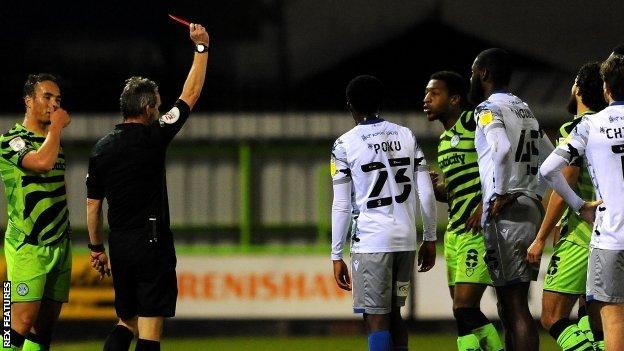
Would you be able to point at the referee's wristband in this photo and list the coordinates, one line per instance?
(96, 247)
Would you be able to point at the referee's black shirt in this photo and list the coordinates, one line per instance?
(127, 167)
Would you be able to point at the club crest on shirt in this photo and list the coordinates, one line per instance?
(17, 144)
(22, 289)
(455, 140)
(170, 117)
(485, 117)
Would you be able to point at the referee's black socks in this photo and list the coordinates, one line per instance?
(119, 339)
(147, 345)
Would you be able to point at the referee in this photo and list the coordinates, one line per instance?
(127, 167)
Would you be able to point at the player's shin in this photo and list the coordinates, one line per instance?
(119, 339)
(583, 323)
(599, 344)
(147, 345)
(17, 340)
(569, 336)
(468, 342)
(488, 335)
(380, 341)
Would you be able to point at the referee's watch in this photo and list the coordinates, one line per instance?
(96, 247)
(201, 48)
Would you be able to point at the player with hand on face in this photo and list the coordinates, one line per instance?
(37, 244)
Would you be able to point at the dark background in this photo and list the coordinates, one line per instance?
(94, 45)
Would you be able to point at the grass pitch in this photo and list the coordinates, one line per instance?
(418, 342)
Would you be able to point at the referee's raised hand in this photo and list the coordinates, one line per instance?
(198, 34)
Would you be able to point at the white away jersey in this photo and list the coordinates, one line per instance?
(379, 158)
(505, 110)
(601, 140)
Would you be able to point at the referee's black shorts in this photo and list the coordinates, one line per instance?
(144, 275)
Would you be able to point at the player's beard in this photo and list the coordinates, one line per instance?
(476, 95)
(572, 108)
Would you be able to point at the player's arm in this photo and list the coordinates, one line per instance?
(439, 188)
(44, 159)
(424, 187)
(341, 213)
(493, 127)
(554, 211)
(568, 152)
(544, 147)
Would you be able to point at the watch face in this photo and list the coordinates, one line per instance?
(200, 48)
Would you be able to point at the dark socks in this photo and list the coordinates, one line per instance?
(147, 345)
(119, 339)
(469, 319)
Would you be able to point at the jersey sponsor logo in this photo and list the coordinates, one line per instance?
(170, 117)
(372, 135)
(616, 118)
(485, 117)
(455, 140)
(22, 289)
(386, 146)
(451, 160)
(17, 144)
(402, 289)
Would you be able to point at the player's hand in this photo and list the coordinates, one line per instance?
(439, 190)
(341, 274)
(534, 253)
(501, 202)
(426, 256)
(198, 34)
(60, 118)
(473, 223)
(99, 262)
(588, 211)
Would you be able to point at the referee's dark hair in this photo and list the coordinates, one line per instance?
(138, 93)
(365, 94)
(33, 79)
(589, 83)
(612, 73)
(455, 84)
(619, 50)
(498, 63)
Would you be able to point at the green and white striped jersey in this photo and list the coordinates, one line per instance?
(457, 158)
(36, 202)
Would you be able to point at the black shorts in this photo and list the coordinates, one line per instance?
(144, 276)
